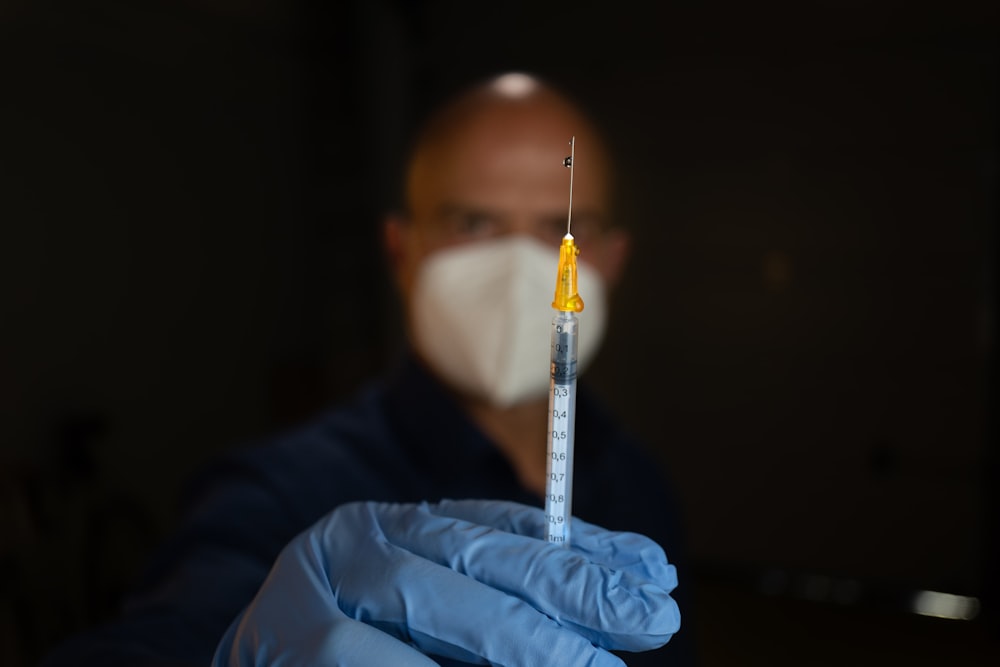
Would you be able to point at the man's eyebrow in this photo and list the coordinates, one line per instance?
(592, 215)
(448, 209)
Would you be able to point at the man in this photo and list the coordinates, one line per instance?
(276, 540)
(485, 169)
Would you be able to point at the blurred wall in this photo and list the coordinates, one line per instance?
(820, 338)
(188, 227)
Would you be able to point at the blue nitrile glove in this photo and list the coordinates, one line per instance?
(382, 584)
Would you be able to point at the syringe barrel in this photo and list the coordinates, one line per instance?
(561, 431)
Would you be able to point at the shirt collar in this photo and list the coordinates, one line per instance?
(454, 454)
(441, 439)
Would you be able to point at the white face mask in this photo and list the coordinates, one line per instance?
(482, 316)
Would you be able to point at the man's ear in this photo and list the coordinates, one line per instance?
(617, 244)
(397, 241)
(394, 230)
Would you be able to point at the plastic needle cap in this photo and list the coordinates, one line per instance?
(567, 299)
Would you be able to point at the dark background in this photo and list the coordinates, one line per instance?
(189, 260)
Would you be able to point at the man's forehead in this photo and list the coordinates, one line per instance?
(529, 161)
(495, 162)
(510, 128)
(498, 183)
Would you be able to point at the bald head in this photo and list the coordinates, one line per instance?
(489, 164)
(510, 132)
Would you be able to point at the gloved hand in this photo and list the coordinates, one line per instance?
(382, 584)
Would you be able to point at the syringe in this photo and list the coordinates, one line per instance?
(562, 385)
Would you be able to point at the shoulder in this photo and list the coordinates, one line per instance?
(611, 445)
(625, 484)
(344, 454)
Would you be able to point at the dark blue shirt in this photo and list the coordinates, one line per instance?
(401, 440)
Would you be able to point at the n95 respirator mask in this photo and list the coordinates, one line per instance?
(481, 316)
